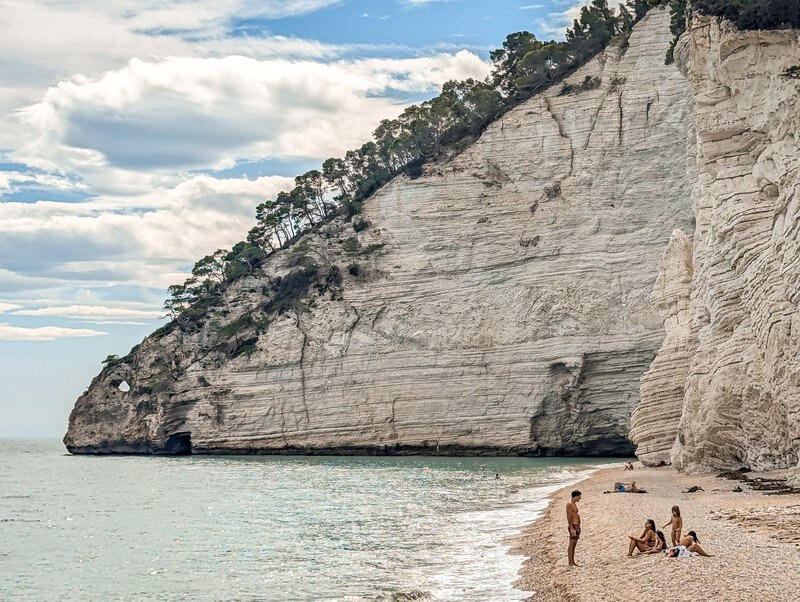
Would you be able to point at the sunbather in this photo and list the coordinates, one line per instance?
(648, 539)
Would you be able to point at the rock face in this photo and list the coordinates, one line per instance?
(654, 423)
(741, 403)
(508, 310)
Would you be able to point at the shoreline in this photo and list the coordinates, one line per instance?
(749, 533)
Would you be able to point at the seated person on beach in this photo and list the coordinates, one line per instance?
(628, 466)
(677, 525)
(647, 541)
(661, 544)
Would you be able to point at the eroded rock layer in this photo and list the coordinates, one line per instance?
(654, 423)
(741, 406)
(507, 310)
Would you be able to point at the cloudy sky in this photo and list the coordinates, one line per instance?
(139, 135)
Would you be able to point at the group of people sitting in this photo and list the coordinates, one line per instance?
(652, 541)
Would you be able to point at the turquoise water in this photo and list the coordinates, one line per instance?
(264, 528)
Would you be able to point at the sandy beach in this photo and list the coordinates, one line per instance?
(754, 539)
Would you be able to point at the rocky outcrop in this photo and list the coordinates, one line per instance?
(654, 423)
(501, 302)
(741, 406)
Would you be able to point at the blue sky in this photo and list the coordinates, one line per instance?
(136, 137)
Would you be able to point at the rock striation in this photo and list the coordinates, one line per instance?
(654, 423)
(735, 356)
(504, 306)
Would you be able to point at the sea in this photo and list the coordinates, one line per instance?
(266, 527)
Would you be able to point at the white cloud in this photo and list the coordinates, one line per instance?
(43, 333)
(92, 36)
(5, 307)
(145, 240)
(183, 112)
(95, 312)
(128, 130)
(557, 23)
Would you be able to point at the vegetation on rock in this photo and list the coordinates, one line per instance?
(423, 133)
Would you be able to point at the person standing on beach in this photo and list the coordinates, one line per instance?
(677, 525)
(574, 525)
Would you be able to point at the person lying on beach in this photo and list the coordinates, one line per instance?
(626, 488)
(677, 525)
(648, 539)
(691, 543)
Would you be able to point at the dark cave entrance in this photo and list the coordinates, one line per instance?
(178, 444)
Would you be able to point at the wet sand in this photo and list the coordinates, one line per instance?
(754, 538)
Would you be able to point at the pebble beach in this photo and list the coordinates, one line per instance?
(754, 539)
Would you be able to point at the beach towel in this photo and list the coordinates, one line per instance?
(679, 552)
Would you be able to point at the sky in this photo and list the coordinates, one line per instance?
(137, 136)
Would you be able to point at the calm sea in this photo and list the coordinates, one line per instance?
(264, 528)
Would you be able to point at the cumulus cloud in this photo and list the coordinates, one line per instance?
(144, 239)
(93, 36)
(12, 180)
(184, 112)
(43, 333)
(130, 134)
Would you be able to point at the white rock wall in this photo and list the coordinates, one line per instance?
(742, 402)
(654, 423)
(508, 312)
(735, 356)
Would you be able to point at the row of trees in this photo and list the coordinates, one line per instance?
(523, 66)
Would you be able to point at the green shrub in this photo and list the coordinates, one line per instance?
(588, 83)
(792, 72)
(414, 169)
(351, 246)
(232, 328)
(288, 290)
(112, 360)
(158, 383)
(360, 225)
(247, 347)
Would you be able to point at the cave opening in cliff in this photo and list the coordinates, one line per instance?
(178, 444)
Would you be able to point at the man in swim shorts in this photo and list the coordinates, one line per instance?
(574, 526)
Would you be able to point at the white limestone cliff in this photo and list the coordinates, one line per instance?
(654, 423)
(741, 407)
(508, 310)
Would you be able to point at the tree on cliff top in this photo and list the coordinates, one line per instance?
(422, 133)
